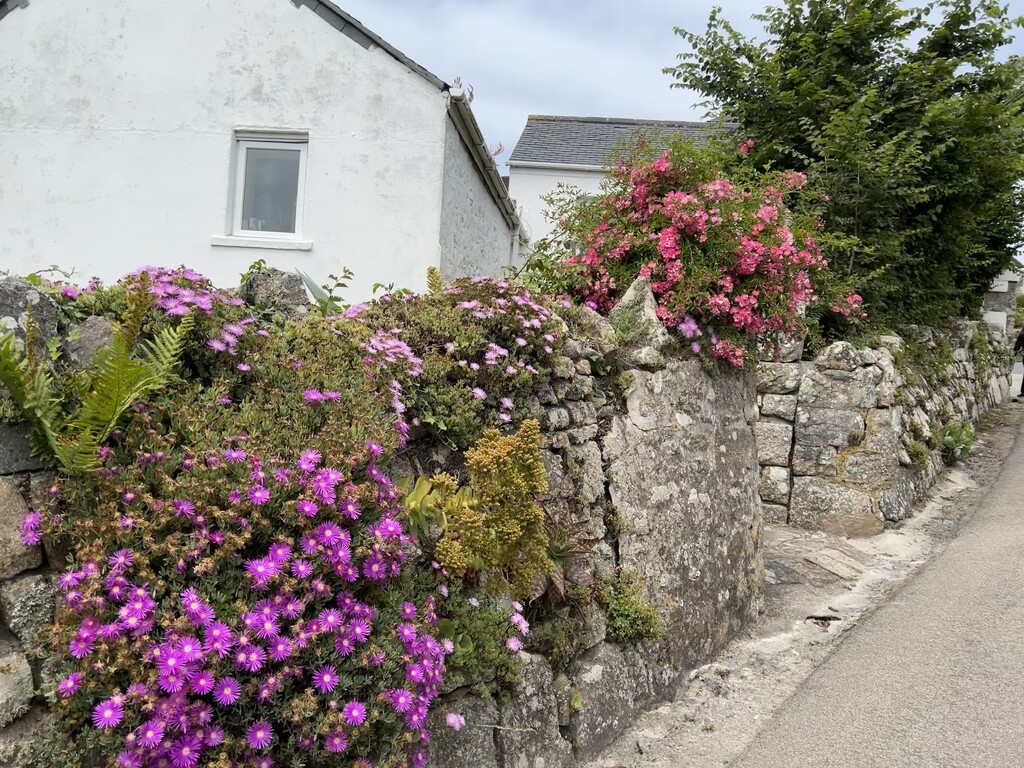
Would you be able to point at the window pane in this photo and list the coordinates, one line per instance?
(271, 189)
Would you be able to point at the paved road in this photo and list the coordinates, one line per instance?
(934, 679)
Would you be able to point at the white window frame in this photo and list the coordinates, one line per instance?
(245, 141)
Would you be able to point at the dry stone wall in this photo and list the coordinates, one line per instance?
(848, 441)
(652, 456)
(659, 463)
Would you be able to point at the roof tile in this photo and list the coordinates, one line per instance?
(588, 141)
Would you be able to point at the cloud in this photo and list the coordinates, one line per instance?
(601, 58)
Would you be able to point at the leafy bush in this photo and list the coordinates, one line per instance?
(631, 616)
(729, 262)
(908, 118)
(494, 527)
(956, 439)
(243, 581)
(920, 456)
(484, 345)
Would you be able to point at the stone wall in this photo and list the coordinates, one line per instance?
(27, 584)
(848, 441)
(651, 456)
(658, 462)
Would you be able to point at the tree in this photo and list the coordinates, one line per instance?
(907, 120)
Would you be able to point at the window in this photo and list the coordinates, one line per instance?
(270, 174)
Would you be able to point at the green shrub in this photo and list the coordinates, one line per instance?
(631, 616)
(920, 456)
(956, 439)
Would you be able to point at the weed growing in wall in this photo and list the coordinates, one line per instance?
(730, 254)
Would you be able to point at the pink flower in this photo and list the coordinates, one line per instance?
(454, 721)
(107, 714)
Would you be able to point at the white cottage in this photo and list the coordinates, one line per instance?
(220, 133)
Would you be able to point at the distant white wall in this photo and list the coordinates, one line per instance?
(529, 185)
(475, 239)
(116, 135)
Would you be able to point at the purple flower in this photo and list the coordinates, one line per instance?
(69, 685)
(408, 611)
(325, 679)
(302, 569)
(234, 455)
(350, 509)
(308, 460)
(401, 700)
(354, 713)
(227, 691)
(359, 629)
(202, 683)
(259, 735)
(185, 752)
(312, 396)
(454, 721)
(520, 623)
(514, 644)
(282, 649)
(328, 534)
(259, 495)
(306, 507)
(330, 619)
(151, 733)
(336, 742)
(479, 394)
(107, 714)
(406, 632)
(689, 327)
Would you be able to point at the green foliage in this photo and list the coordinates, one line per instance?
(494, 528)
(920, 456)
(235, 421)
(75, 414)
(1018, 315)
(328, 297)
(485, 346)
(906, 117)
(435, 282)
(956, 439)
(631, 616)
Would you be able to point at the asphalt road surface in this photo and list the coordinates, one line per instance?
(935, 678)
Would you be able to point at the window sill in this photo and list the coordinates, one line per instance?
(230, 241)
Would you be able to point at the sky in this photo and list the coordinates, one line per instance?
(601, 58)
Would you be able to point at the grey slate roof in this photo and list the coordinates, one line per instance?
(588, 141)
(6, 6)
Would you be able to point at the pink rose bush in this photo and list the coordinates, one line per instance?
(730, 261)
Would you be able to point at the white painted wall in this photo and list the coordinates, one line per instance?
(529, 185)
(116, 134)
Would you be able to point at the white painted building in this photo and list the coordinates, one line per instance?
(574, 151)
(215, 134)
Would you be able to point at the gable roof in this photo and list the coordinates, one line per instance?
(588, 141)
(6, 6)
(458, 105)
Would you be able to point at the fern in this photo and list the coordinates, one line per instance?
(120, 380)
(435, 282)
(117, 379)
(13, 370)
